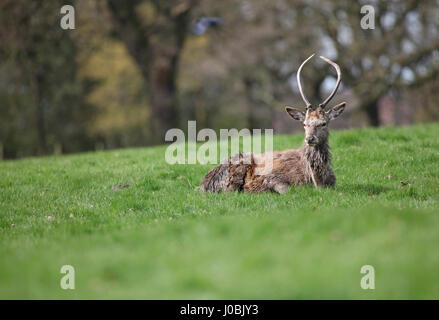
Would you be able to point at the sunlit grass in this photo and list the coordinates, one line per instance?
(162, 238)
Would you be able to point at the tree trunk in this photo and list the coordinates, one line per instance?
(40, 117)
(248, 84)
(163, 95)
(157, 59)
(372, 113)
(200, 109)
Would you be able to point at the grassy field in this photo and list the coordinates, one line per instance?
(161, 238)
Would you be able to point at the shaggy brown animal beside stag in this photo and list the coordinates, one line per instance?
(309, 164)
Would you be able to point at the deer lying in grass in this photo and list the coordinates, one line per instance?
(309, 164)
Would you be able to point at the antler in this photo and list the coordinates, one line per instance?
(308, 105)
(337, 68)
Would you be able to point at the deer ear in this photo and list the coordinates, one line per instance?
(295, 114)
(336, 111)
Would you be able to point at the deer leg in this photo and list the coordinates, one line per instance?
(330, 178)
(315, 181)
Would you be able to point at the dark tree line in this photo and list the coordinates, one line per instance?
(239, 73)
(43, 108)
(155, 40)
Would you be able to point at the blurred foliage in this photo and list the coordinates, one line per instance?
(133, 69)
(119, 98)
(43, 100)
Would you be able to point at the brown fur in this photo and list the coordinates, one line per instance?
(309, 164)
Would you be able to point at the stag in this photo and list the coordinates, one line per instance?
(307, 165)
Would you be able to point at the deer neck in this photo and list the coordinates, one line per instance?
(317, 159)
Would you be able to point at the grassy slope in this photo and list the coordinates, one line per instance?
(163, 239)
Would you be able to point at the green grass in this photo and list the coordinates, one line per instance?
(162, 238)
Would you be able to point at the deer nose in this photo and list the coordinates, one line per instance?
(311, 140)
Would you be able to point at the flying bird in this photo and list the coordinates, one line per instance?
(202, 24)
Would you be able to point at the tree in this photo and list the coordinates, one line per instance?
(39, 60)
(397, 54)
(265, 42)
(154, 33)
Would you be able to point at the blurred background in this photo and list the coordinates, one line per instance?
(133, 69)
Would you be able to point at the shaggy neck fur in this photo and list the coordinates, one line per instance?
(318, 159)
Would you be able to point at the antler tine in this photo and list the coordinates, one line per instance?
(308, 105)
(337, 68)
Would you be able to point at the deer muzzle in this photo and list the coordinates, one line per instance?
(311, 140)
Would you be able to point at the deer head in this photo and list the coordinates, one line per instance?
(315, 119)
